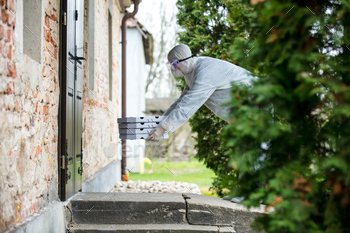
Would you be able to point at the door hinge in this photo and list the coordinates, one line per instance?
(76, 15)
(64, 18)
(63, 162)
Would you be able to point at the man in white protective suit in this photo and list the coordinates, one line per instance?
(208, 82)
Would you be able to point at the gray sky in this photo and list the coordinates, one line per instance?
(149, 15)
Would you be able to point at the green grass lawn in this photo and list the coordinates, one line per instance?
(191, 172)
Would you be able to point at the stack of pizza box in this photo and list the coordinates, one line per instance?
(139, 127)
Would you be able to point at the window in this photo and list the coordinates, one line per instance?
(32, 29)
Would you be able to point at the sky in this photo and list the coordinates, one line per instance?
(149, 14)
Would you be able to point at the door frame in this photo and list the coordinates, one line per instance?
(61, 150)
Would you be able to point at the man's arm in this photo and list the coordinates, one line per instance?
(189, 103)
(186, 89)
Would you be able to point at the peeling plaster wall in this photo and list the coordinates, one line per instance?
(29, 101)
(29, 95)
(100, 129)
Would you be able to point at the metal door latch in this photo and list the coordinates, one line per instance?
(64, 19)
(68, 176)
(63, 164)
(76, 58)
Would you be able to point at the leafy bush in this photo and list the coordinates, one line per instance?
(301, 52)
(207, 33)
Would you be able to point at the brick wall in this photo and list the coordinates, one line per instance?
(100, 115)
(29, 98)
(29, 95)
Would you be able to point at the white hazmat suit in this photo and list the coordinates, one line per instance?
(208, 82)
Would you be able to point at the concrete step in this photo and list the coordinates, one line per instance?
(148, 228)
(158, 212)
(205, 210)
(128, 208)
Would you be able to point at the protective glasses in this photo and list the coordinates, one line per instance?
(173, 63)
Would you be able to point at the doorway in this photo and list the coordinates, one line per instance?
(70, 125)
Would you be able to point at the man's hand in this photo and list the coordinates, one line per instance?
(156, 134)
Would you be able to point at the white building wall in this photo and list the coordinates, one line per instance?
(135, 104)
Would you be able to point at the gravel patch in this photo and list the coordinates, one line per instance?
(155, 187)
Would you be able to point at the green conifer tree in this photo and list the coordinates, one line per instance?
(208, 33)
(300, 50)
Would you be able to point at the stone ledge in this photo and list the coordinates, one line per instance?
(129, 208)
(205, 210)
(146, 228)
(161, 211)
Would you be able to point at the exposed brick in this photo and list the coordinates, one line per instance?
(4, 15)
(37, 150)
(54, 26)
(9, 35)
(54, 40)
(54, 16)
(54, 138)
(2, 2)
(45, 109)
(47, 35)
(11, 68)
(9, 52)
(2, 32)
(17, 108)
(55, 56)
(2, 48)
(46, 71)
(9, 89)
(47, 21)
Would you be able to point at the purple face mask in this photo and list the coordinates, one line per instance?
(174, 63)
